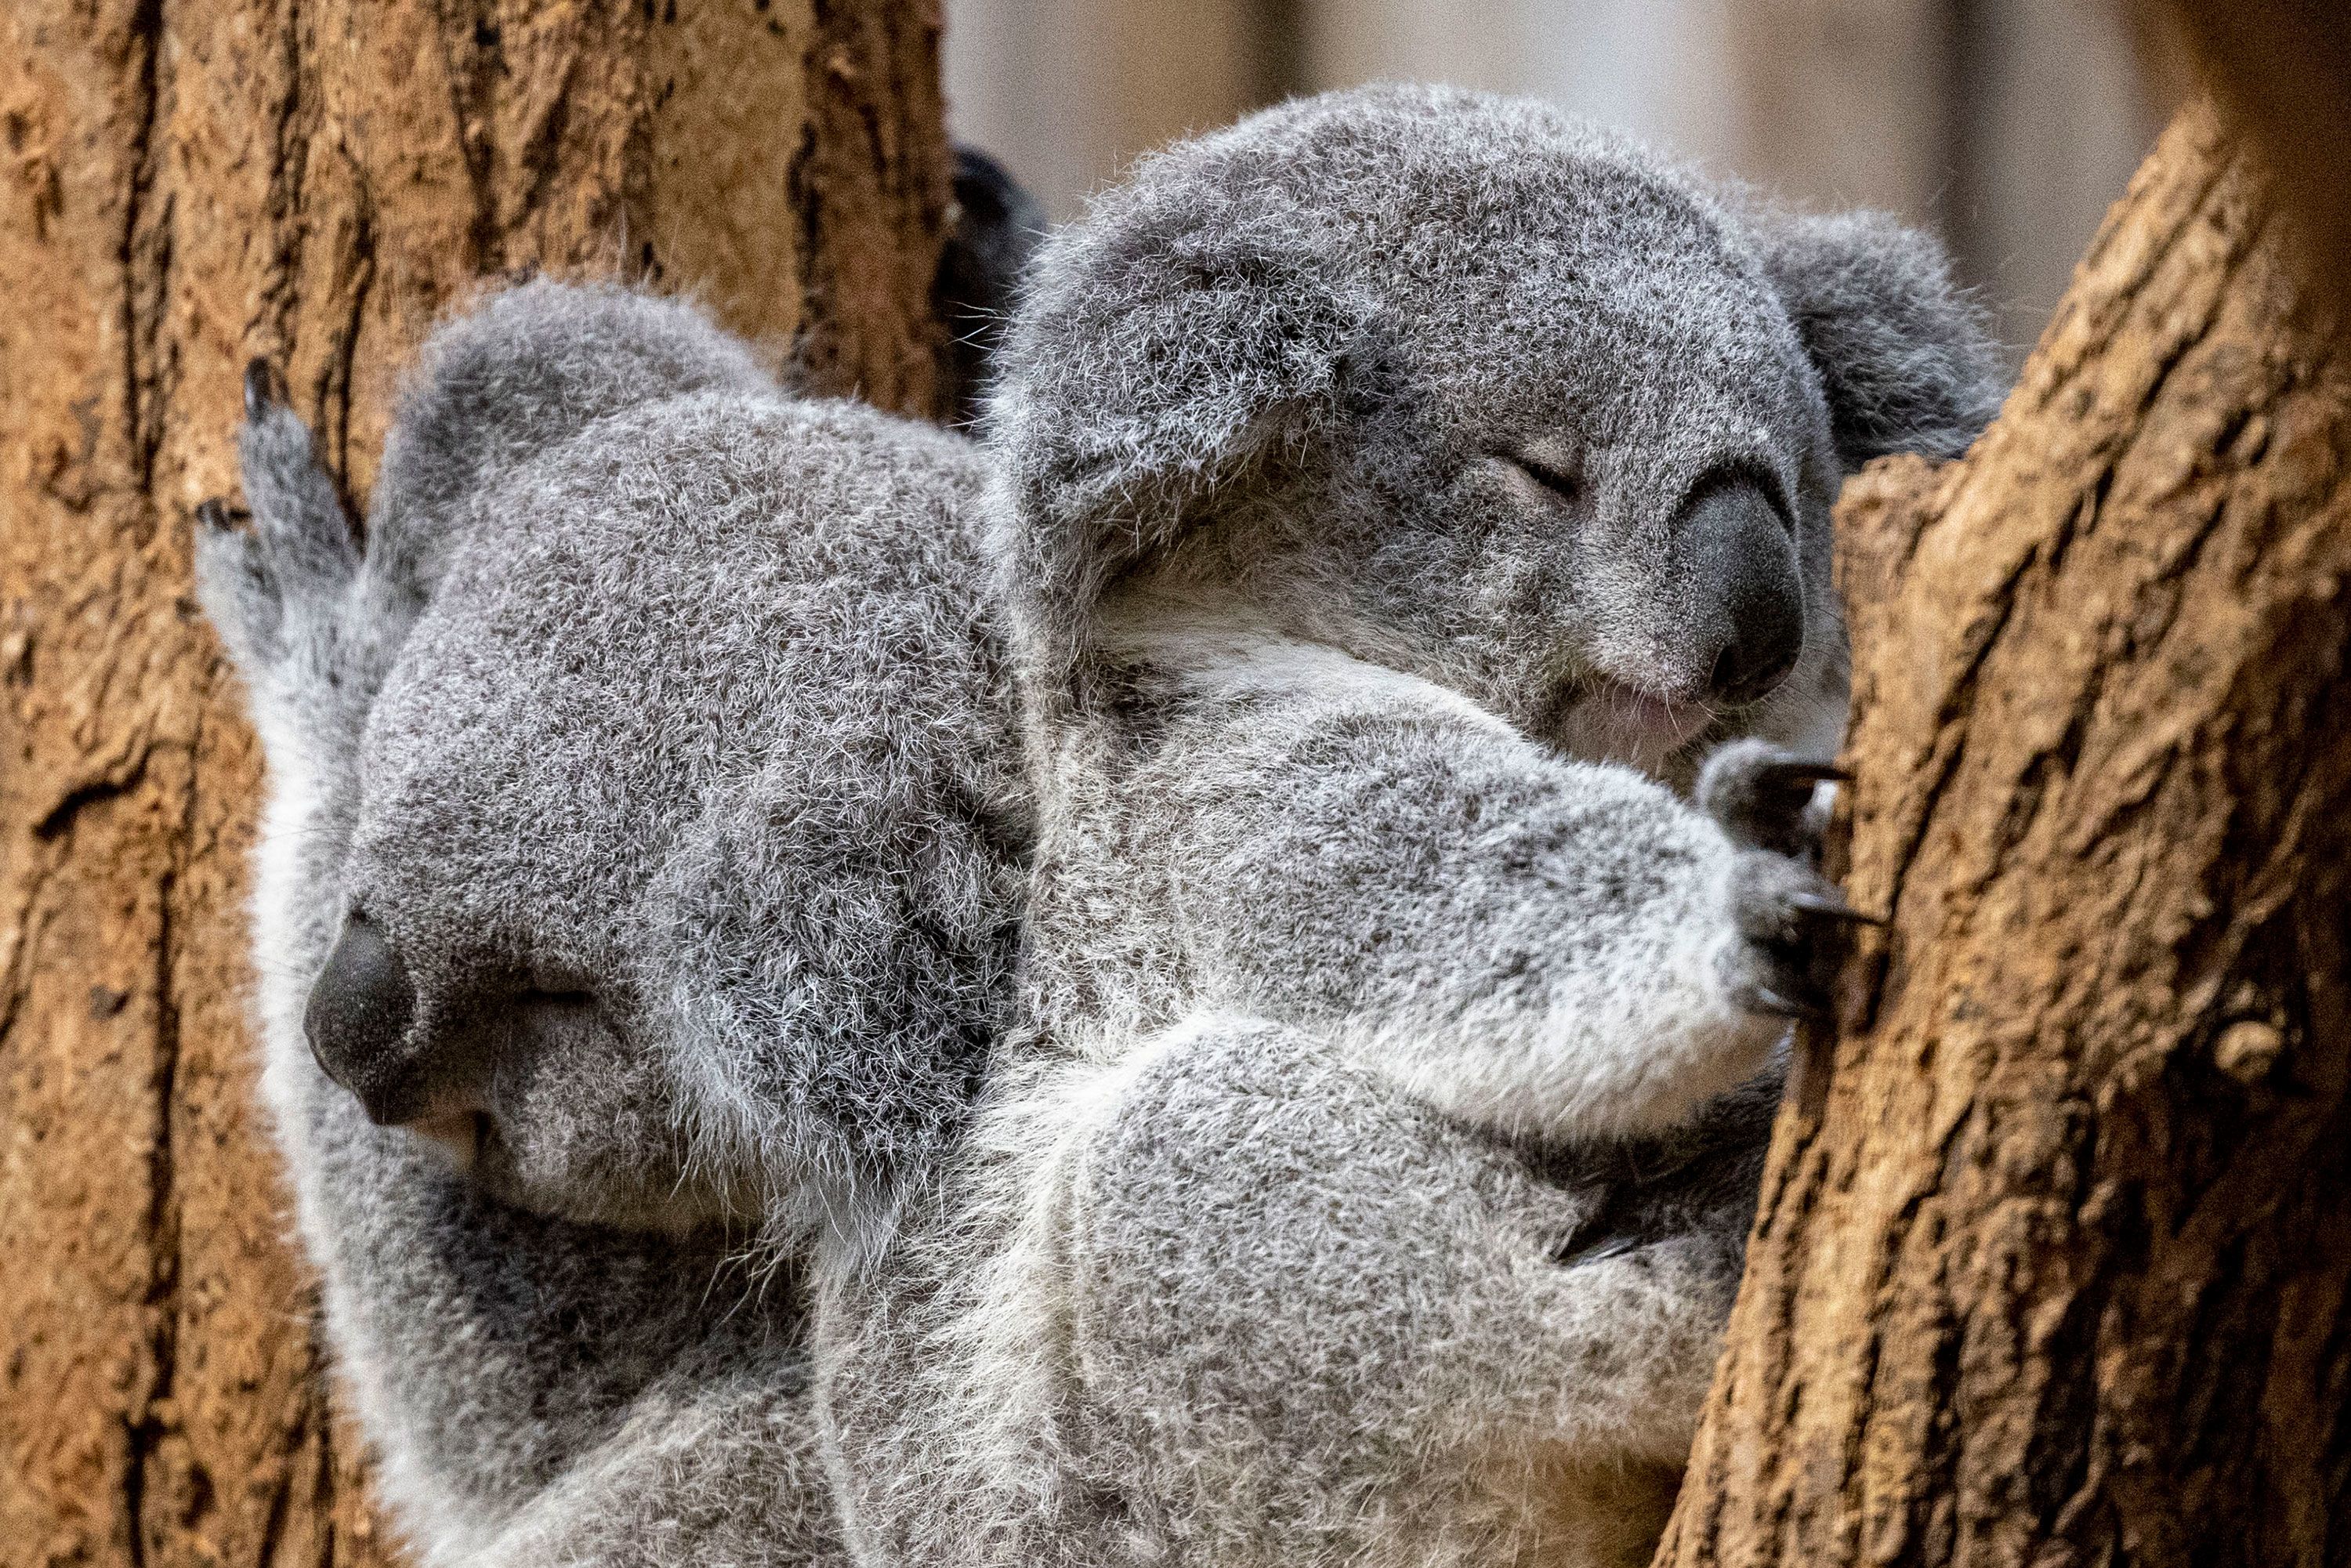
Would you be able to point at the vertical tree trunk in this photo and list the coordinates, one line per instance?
(2054, 1249)
(2282, 67)
(186, 185)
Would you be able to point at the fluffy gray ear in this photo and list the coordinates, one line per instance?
(528, 368)
(1180, 336)
(1903, 353)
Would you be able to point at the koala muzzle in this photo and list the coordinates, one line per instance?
(1749, 599)
(358, 1015)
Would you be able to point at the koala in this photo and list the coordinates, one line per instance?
(997, 225)
(1411, 513)
(637, 892)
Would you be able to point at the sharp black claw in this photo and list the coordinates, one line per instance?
(1575, 1254)
(1836, 909)
(212, 513)
(260, 388)
(1805, 773)
(1771, 1001)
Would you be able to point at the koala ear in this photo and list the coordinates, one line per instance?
(1170, 344)
(1903, 353)
(529, 367)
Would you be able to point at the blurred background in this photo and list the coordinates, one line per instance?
(2006, 125)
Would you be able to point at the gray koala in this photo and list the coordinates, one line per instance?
(638, 891)
(1400, 496)
(997, 227)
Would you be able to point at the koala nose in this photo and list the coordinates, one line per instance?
(359, 1008)
(1751, 615)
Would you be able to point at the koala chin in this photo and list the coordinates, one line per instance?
(638, 890)
(1412, 514)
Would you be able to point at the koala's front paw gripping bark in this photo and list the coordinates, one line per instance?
(1793, 922)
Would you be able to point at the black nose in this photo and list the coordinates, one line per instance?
(358, 1017)
(1748, 600)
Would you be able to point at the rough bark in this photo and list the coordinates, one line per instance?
(2052, 1254)
(187, 185)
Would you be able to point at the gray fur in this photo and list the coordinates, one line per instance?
(1901, 351)
(661, 730)
(1298, 329)
(1363, 1176)
(1360, 1185)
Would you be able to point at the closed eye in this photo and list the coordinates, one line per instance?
(1563, 485)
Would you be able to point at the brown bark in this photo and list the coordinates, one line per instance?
(2052, 1260)
(2284, 67)
(186, 186)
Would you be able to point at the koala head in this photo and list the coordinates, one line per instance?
(638, 837)
(997, 224)
(1464, 387)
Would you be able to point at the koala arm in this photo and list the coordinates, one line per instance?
(1534, 944)
(1233, 1300)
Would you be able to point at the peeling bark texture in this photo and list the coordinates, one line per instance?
(186, 185)
(2052, 1258)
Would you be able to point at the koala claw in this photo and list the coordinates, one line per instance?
(1795, 928)
(1762, 796)
(260, 388)
(1765, 1000)
(212, 515)
(1798, 773)
(1579, 1252)
(1829, 908)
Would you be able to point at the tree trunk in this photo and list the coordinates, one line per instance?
(2283, 70)
(185, 187)
(2052, 1260)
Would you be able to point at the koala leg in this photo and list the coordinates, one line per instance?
(1246, 1304)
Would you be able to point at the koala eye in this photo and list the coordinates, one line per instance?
(1564, 482)
(536, 1002)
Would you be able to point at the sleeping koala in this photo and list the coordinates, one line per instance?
(638, 888)
(1400, 494)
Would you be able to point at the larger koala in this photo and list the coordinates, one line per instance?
(1401, 494)
(637, 892)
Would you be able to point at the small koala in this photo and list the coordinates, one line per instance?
(1412, 514)
(637, 892)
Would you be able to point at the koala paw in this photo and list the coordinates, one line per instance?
(1793, 928)
(296, 512)
(1793, 925)
(266, 573)
(239, 590)
(1767, 797)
